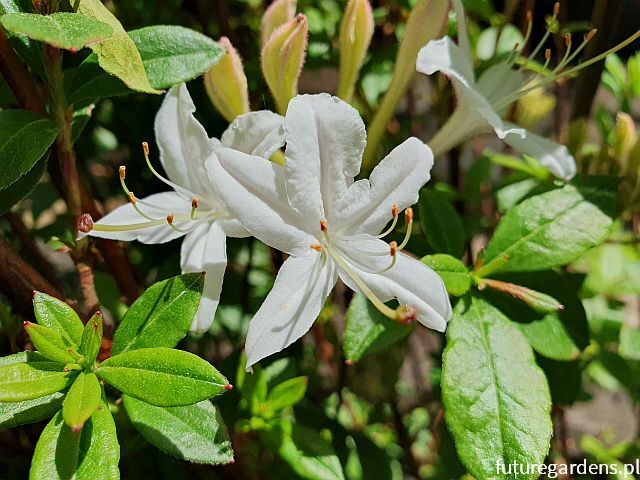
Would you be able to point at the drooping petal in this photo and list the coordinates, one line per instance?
(256, 133)
(166, 203)
(301, 288)
(554, 156)
(443, 55)
(409, 281)
(325, 142)
(183, 142)
(204, 250)
(397, 179)
(252, 189)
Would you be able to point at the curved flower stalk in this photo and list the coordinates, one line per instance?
(483, 102)
(192, 209)
(312, 209)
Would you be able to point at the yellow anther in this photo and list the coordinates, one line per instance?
(132, 198)
(393, 248)
(145, 148)
(394, 210)
(316, 246)
(408, 216)
(122, 171)
(567, 40)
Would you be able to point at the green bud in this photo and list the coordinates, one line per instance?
(226, 84)
(282, 60)
(51, 344)
(538, 302)
(92, 339)
(625, 139)
(356, 31)
(278, 13)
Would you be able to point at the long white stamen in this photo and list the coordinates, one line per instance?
(408, 220)
(145, 149)
(133, 200)
(170, 219)
(394, 213)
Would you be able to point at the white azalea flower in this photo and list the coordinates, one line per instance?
(329, 225)
(192, 209)
(483, 102)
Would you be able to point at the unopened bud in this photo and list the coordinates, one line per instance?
(278, 13)
(626, 137)
(538, 302)
(226, 84)
(282, 60)
(356, 31)
(85, 223)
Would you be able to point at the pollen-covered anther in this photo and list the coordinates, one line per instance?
(145, 148)
(567, 40)
(316, 246)
(323, 226)
(393, 248)
(556, 9)
(394, 210)
(170, 218)
(122, 171)
(591, 34)
(529, 16)
(408, 216)
(85, 223)
(132, 198)
(194, 202)
(407, 314)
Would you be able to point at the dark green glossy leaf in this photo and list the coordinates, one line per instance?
(92, 453)
(32, 379)
(441, 224)
(554, 228)
(496, 399)
(162, 316)
(368, 331)
(195, 433)
(52, 344)
(24, 139)
(91, 339)
(22, 187)
(453, 272)
(53, 313)
(82, 400)
(61, 29)
(163, 377)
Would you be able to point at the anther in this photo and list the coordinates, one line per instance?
(194, 202)
(407, 314)
(408, 216)
(323, 225)
(556, 9)
(170, 218)
(394, 213)
(529, 16)
(393, 248)
(122, 171)
(408, 220)
(591, 34)
(85, 223)
(394, 210)
(316, 246)
(132, 198)
(567, 40)
(145, 148)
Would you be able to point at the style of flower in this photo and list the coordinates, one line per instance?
(312, 209)
(482, 103)
(192, 209)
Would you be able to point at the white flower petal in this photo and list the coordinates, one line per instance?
(252, 189)
(204, 250)
(168, 202)
(443, 55)
(498, 82)
(301, 288)
(256, 133)
(183, 142)
(397, 179)
(325, 142)
(554, 156)
(409, 281)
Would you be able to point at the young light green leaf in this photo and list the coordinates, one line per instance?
(308, 454)
(554, 228)
(162, 316)
(53, 313)
(22, 187)
(32, 379)
(629, 343)
(61, 29)
(453, 272)
(13, 414)
(368, 331)
(496, 399)
(92, 453)
(24, 139)
(82, 400)
(252, 386)
(118, 55)
(51, 344)
(195, 433)
(287, 393)
(441, 224)
(163, 377)
(91, 339)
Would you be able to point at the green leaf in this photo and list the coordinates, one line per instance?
(91, 339)
(287, 393)
(53, 313)
(441, 224)
(195, 433)
(13, 414)
(368, 331)
(613, 269)
(118, 56)
(91, 453)
(453, 272)
(22, 187)
(163, 377)
(62, 30)
(34, 378)
(31, 52)
(162, 316)
(252, 386)
(24, 139)
(496, 399)
(554, 228)
(629, 343)
(308, 454)
(52, 344)
(82, 400)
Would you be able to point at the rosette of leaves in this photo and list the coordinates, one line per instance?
(166, 392)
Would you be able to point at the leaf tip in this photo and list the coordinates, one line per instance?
(228, 387)
(349, 362)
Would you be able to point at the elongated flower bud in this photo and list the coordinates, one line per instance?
(626, 138)
(282, 60)
(538, 302)
(226, 84)
(278, 13)
(356, 31)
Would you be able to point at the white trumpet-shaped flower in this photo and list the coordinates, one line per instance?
(483, 102)
(192, 209)
(312, 209)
